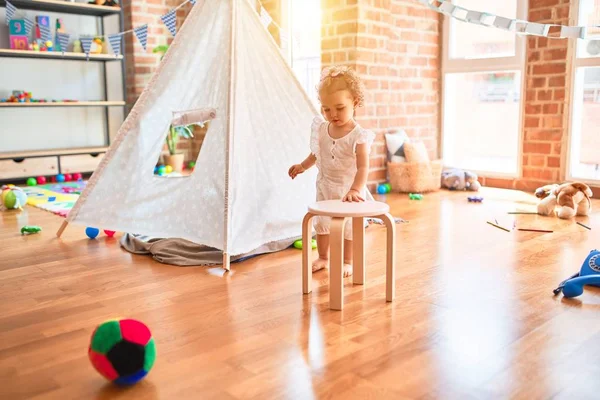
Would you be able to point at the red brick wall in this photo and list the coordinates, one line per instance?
(545, 104)
(395, 46)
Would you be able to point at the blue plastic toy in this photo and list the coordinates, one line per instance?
(92, 232)
(60, 178)
(588, 275)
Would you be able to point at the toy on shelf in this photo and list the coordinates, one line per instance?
(107, 3)
(475, 199)
(77, 48)
(572, 198)
(29, 229)
(97, 45)
(415, 196)
(19, 40)
(58, 28)
(589, 274)
(13, 197)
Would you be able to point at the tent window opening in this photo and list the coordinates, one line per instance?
(183, 142)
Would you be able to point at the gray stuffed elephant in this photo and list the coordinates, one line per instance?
(459, 179)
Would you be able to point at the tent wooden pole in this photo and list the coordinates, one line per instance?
(62, 228)
(226, 262)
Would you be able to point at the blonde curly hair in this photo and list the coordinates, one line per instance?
(341, 78)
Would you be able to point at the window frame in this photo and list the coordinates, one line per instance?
(574, 64)
(517, 62)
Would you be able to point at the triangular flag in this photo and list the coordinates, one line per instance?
(142, 34)
(63, 40)
(115, 43)
(45, 32)
(28, 26)
(193, 2)
(86, 43)
(10, 12)
(170, 20)
(265, 17)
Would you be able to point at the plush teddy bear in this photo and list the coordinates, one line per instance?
(571, 198)
(459, 179)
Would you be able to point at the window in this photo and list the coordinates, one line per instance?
(482, 84)
(584, 149)
(301, 41)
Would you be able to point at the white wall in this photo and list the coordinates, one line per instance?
(54, 128)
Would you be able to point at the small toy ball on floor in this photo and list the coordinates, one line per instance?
(77, 176)
(123, 351)
(13, 197)
(68, 177)
(162, 170)
(298, 244)
(92, 233)
(41, 180)
(384, 188)
(191, 164)
(60, 178)
(31, 182)
(415, 196)
(109, 233)
(53, 179)
(475, 199)
(168, 169)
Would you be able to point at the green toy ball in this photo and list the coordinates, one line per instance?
(298, 244)
(10, 200)
(122, 351)
(191, 164)
(388, 187)
(31, 182)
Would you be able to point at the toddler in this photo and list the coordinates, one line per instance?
(340, 149)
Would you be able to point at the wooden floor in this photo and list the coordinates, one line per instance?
(474, 316)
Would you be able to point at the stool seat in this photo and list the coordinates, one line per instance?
(341, 209)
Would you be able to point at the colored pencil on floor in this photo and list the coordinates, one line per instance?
(535, 230)
(498, 226)
(585, 226)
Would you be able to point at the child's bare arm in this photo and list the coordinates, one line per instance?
(307, 163)
(362, 174)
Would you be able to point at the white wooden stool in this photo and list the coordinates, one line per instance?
(339, 211)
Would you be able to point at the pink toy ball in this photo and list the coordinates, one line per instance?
(109, 233)
(68, 177)
(53, 179)
(77, 176)
(41, 180)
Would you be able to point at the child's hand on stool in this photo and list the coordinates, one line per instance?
(353, 195)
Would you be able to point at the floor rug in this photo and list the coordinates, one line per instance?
(57, 198)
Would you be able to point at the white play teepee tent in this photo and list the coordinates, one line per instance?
(239, 196)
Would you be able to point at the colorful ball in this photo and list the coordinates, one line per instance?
(68, 177)
(31, 182)
(381, 189)
(298, 244)
(77, 176)
(122, 351)
(168, 169)
(53, 179)
(109, 233)
(92, 233)
(60, 178)
(388, 187)
(191, 164)
(41, 180)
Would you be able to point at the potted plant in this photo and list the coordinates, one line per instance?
(175, 159)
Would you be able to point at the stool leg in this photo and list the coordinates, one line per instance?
(306, 250)
(358, 250)
(336, 264)
(390, 279)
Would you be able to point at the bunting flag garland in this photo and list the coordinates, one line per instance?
(28, 26)
(193, 2)
(63, 40)
(265, 17)
(142, 34)
(115, 43)
(86, 43)
(170, 20)
(10, 12)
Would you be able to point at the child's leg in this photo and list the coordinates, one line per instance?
(323, 249)
(347, 258)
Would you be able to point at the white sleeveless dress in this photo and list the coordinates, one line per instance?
(336, 162)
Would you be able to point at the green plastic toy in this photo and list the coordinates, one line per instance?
(415, 196)
(298, 244)
(29, 229)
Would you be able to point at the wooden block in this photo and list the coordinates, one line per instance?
(17, 27)
(19, 42)
(43, 20)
